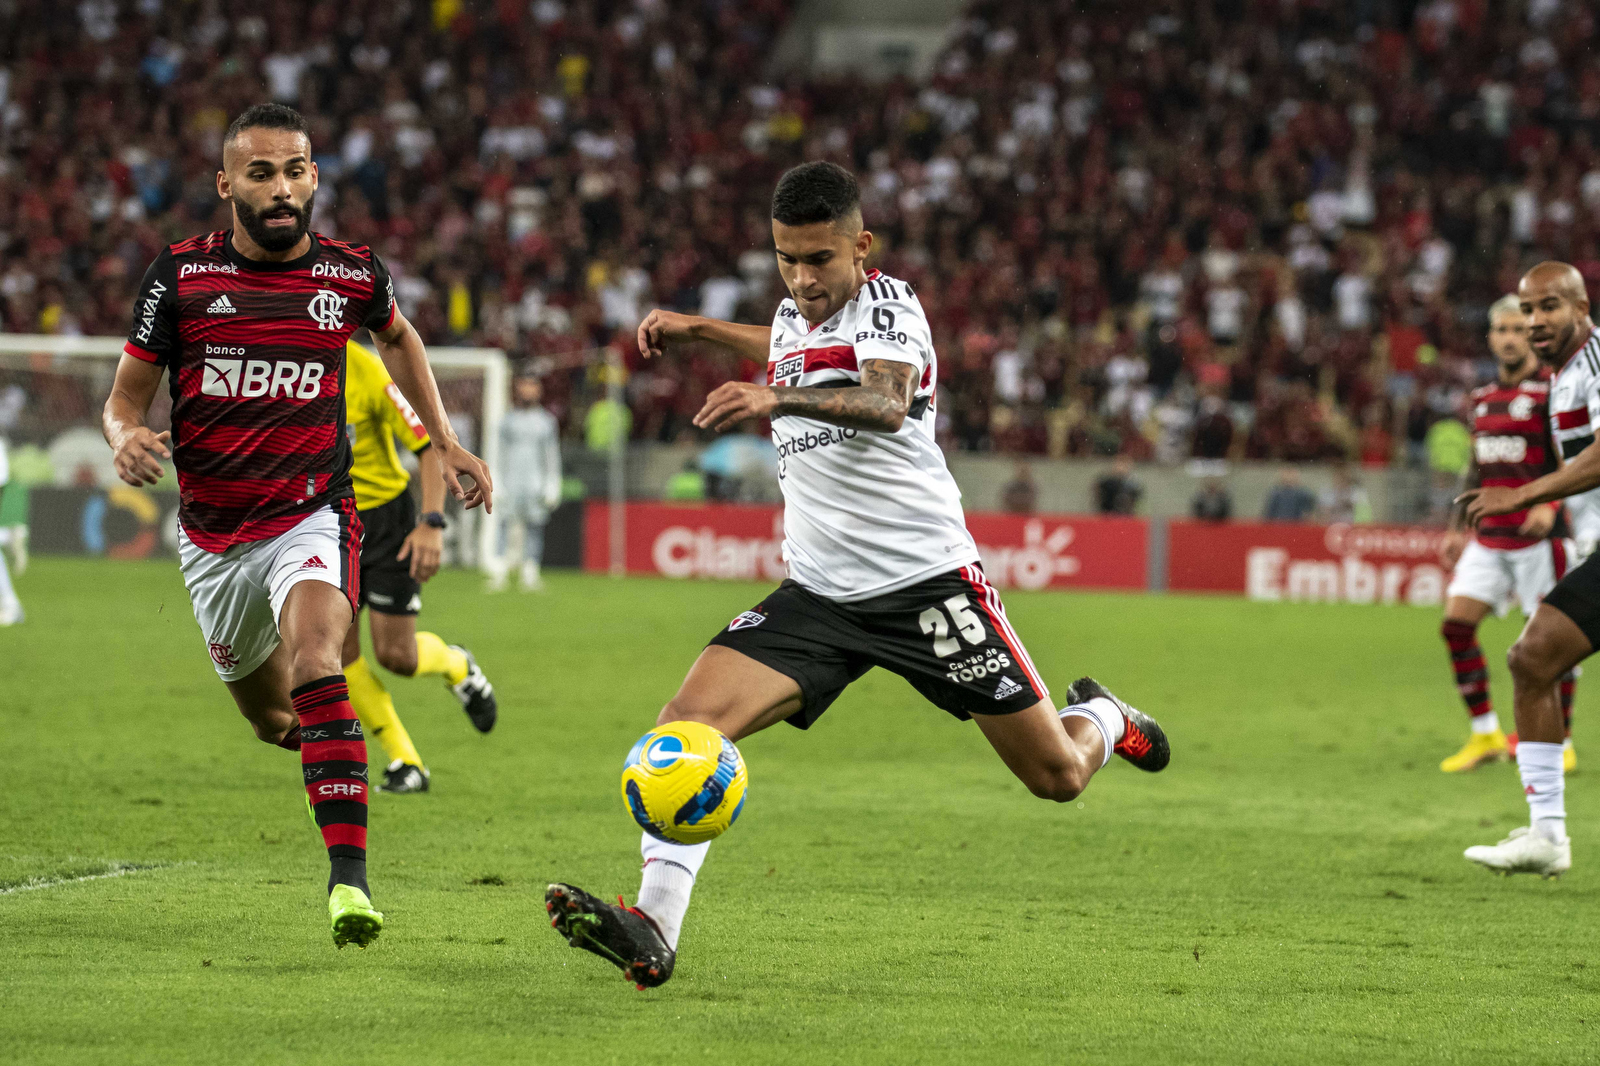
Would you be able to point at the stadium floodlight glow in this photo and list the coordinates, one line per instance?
(473, 381)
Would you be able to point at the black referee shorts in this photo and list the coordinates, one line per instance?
(386, 582)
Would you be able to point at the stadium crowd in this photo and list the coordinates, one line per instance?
(1210, 228)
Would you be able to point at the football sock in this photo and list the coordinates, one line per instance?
(434, 656)
(333, 758)
(668, 878)
(1569, 686)
(375, 707)
(1104, 714)
(1472, 674)
(8, 595)
(291, 739)
(1542, 781)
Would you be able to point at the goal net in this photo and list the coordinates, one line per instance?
(52, 389)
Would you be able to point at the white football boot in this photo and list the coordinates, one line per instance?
(1524, 852)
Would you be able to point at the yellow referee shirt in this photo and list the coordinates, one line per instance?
(376, 414)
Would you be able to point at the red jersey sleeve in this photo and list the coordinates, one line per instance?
(153, 336)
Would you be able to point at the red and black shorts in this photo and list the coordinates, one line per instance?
(948, 636)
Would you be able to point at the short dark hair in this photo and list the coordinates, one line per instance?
(815, 192)
(268, 117)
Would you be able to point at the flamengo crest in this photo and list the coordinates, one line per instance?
(327, 307)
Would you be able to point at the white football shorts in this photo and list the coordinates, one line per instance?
(239, 593)
(1501, 576)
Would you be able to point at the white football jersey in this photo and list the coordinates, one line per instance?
(865, 513)
(1574, 421)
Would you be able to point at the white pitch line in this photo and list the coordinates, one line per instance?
(117, 870)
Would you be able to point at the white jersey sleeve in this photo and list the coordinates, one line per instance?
(890, 324)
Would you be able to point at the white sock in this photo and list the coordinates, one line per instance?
(1105, 715)
(1487, 722)
(1543, 782)
(8, 595)
(668, 878)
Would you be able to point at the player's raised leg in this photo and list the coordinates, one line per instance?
(1550, 645)
(1487, 742)
(739, 696)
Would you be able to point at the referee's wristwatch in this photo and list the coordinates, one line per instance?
(432, 518)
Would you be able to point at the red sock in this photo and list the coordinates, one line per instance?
(333, 757)
(1569, 685)
(1472, 673)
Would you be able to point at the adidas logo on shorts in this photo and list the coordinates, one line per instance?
(222, 306)
(313, 563)
(1006, 688)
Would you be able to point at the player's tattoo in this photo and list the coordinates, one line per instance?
(879, 403)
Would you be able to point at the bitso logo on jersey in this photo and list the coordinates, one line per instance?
(684, 782)
(327, 307)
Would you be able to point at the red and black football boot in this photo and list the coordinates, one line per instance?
(622, 935)
(1143, 743)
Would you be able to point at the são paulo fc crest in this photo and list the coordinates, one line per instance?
(327, 308)
(747, 620)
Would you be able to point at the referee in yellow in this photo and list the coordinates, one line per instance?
(399, 551)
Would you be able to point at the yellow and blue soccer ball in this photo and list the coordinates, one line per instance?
(684, 782)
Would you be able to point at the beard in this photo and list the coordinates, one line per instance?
(270, 238)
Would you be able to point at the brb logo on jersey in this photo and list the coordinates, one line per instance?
(248, 379)
(327, 307)
(1510, 449)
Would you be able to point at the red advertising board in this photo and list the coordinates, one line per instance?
(746, 542)
(1338, 563)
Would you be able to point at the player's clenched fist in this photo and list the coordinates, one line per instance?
(135, 455)
(661, 328)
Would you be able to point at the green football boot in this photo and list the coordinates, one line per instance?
(352, 917)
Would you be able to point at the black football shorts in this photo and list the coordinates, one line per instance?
(1577, 595)
(948, 636)
(386, 582)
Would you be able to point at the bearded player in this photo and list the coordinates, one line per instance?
(1565, 629)
(250, 326)
(882, 569)
(1509, 556)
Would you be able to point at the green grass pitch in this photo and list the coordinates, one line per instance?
(1290, 890)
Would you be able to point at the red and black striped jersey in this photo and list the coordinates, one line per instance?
(1511, 446)
(254, 353)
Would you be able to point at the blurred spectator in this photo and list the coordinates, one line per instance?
(1449, 447)
(1212, 503)
(1020, 495)
(686, 486)
(1100, 205)
(1118, 491)
(1344, 500)
(1289, 501)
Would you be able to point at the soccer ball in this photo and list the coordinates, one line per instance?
(684, 782)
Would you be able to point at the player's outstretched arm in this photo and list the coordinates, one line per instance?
(1579, 474)
(662, 328)
(134, 448)
(402, 352)
(880, 403)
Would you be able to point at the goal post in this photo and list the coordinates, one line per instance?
(65, 381)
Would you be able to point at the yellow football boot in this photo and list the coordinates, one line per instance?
(1480, 748)
(1569, 757)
